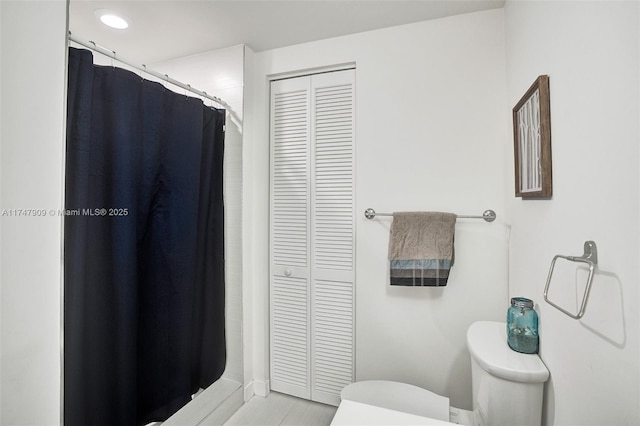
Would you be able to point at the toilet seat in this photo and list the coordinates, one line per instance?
(399, 397)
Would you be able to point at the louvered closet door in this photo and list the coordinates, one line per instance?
(332, 130)
(312, 235)
(290, 240)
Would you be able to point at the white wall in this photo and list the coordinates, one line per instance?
(33, 40)
(590, 51)
(430, 130)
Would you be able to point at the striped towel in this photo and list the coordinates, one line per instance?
(421, 248)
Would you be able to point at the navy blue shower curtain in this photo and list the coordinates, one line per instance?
(144, 248)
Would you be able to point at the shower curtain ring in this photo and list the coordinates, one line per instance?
(112, 58)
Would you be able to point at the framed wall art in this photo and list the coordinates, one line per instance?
(532, 142)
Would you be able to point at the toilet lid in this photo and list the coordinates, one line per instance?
(399, 397)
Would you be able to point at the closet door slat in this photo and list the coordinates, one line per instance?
(333, 167)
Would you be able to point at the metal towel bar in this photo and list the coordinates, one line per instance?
(487, 215)
(590, 257)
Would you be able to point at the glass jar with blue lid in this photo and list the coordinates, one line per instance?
(522, 326)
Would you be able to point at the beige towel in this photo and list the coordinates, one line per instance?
(421, 248)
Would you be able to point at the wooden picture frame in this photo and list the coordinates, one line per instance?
(532, 142)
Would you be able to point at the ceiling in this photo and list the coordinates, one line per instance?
(165, 29)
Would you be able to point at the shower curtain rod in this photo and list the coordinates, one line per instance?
(143, 68)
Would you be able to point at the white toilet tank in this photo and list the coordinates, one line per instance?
(507, 385)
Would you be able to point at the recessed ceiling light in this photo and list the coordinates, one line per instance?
(111, 19)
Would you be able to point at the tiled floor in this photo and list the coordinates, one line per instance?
(279, 409)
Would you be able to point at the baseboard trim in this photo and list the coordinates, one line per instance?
(261, 388)
(249, 391)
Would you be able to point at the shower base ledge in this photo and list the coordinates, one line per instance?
(212, 406)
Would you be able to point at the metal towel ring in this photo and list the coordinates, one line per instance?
(590, 257)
